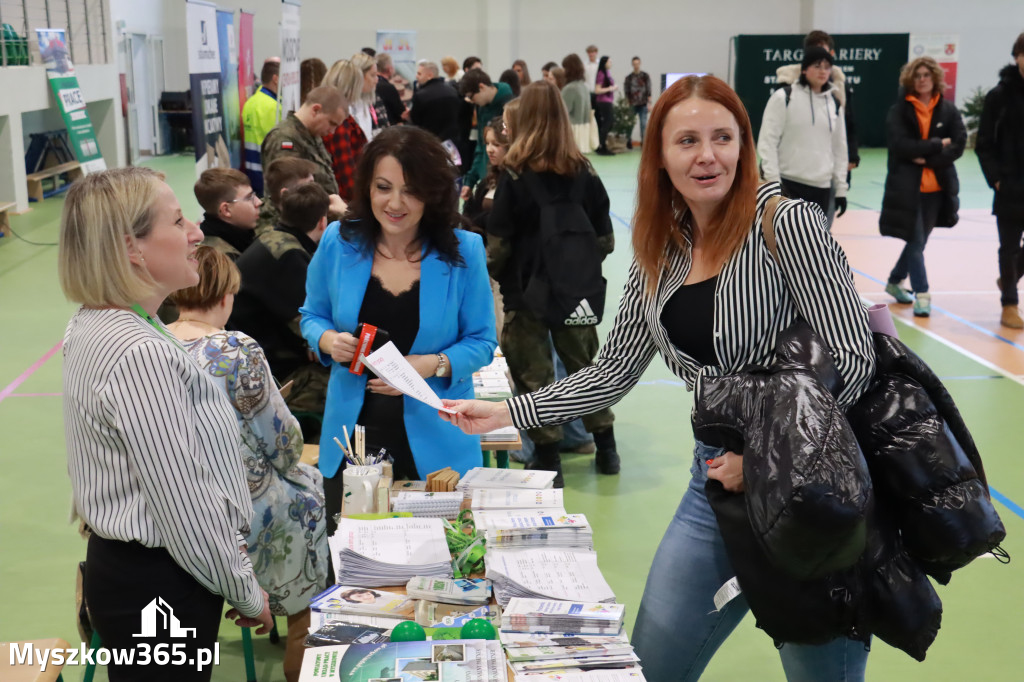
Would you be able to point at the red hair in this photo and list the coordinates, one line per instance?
(655, 222)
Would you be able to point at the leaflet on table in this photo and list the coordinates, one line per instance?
(533, 521)
(486, 477)
(613, 675)
(350, 599)
(476, 660)
(484, 517)
(432, 614)
(322, 663)
(553, 608)
(319, 619)
(339, 632)
(506, 498)
(512, 640)
(540, 653)
(388, 363)
(395, 541)
(454, 591)
(598, 661)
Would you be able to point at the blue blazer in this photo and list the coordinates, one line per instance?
(456, 318)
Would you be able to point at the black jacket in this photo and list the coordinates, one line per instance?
(388, 94)
(903, 183)
(1000, 145)
(435, 107)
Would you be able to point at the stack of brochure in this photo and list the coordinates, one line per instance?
(491, 382)
(468, 591)
(563, 531)
(553, 615)
(486, 477)
(633, 674)
(543, 573)
(441, 505)
(361, 605)
(390, 551)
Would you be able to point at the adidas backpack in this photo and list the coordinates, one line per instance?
(566, 287)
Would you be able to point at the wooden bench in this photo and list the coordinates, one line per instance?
(35, 180)
(5, 222)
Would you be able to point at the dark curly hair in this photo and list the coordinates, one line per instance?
(430, 177)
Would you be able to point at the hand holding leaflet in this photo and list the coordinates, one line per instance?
(391, 366)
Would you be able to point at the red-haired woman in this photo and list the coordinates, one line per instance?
(705, 292)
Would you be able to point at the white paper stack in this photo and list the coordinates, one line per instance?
(516, 498)
(486, 477)
(469, 591)
(547, 574)
(633, 674)
(564, 531)
(441, 505)
(554, 615)
(389, 551)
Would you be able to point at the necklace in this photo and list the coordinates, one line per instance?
(198, 322)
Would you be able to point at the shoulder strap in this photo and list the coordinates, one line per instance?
(788, 89)
(768, 225)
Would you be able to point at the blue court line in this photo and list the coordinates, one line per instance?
(1007, 502)
(624, 222)
(972, 325)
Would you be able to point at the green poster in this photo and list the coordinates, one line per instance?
(871, 63)
(64, 83)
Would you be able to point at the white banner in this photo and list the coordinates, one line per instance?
(204, 81)
(201, 29)
(944, 48)
(289, 81)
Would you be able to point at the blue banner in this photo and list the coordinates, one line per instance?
(229, 85)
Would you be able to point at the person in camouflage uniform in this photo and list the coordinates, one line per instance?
(274, 287)
(300, 136)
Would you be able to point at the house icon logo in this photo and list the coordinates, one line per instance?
(159, 616)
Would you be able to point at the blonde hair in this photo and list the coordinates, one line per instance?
(938, 75)
(103, 214)
(347, 78)
(218, 277)
(540, 134)
(364, 63)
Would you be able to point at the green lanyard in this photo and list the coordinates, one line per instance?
(140, 311)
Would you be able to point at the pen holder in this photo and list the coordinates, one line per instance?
(359, 484)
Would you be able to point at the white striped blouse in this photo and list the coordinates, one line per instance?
(755, 299)
(153, 451)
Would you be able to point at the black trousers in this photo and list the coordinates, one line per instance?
(122, 582)
(817, 195)
(1011, 257)
(604, 113)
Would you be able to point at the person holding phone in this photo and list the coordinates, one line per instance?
(397, 262)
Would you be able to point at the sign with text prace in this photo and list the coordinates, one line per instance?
(208, 127)
(61, 74)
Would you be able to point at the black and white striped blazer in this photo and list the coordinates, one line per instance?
(153, 450)
(755, 299)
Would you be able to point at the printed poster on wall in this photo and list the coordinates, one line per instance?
(289, 91)
(246, 76)
(204, 79)
(229, 85)
(943, 48)
(64, 83)
(871, 63)
(401, 45)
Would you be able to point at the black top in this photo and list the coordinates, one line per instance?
(388, 94)
(435, 107)
(238, 237)
(689, 320)
(383, 415)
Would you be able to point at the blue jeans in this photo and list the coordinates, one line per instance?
(911, 260)
(677, 630)
(641, 116)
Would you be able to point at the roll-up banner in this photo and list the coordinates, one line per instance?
(204, 79)
(229, 85)
(53, 48)
(871, 63)
(246, 74)
(401, 45)
(289, 90)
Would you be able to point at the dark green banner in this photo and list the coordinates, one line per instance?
(871, 63)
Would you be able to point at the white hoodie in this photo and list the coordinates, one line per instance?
(805, 141)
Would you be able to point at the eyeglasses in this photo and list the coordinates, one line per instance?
(250, 197)
(923, 75)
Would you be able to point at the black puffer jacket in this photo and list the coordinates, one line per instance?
(903, 182)
(1000, 145)
(931, 495)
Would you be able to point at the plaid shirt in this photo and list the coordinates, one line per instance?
(638, 88)
(345, 145)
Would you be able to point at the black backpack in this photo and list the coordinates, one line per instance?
(566, 287)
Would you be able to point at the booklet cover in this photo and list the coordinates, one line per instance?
(348, 599)
(476, 660)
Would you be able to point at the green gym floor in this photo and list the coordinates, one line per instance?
(981, 364)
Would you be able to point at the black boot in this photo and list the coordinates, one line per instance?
(547, 458)
(607, 458)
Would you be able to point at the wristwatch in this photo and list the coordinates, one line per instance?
(442, 365)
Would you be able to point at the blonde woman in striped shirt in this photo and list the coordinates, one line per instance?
(705, 293)
(152, 443)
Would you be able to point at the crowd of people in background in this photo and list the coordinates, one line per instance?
(449, 212)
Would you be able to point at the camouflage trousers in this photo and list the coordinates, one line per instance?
(524, 343)
(309, 389)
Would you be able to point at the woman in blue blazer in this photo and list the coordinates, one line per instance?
(398, 262)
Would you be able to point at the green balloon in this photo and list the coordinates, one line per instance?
(479, 628)
(408, 631)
